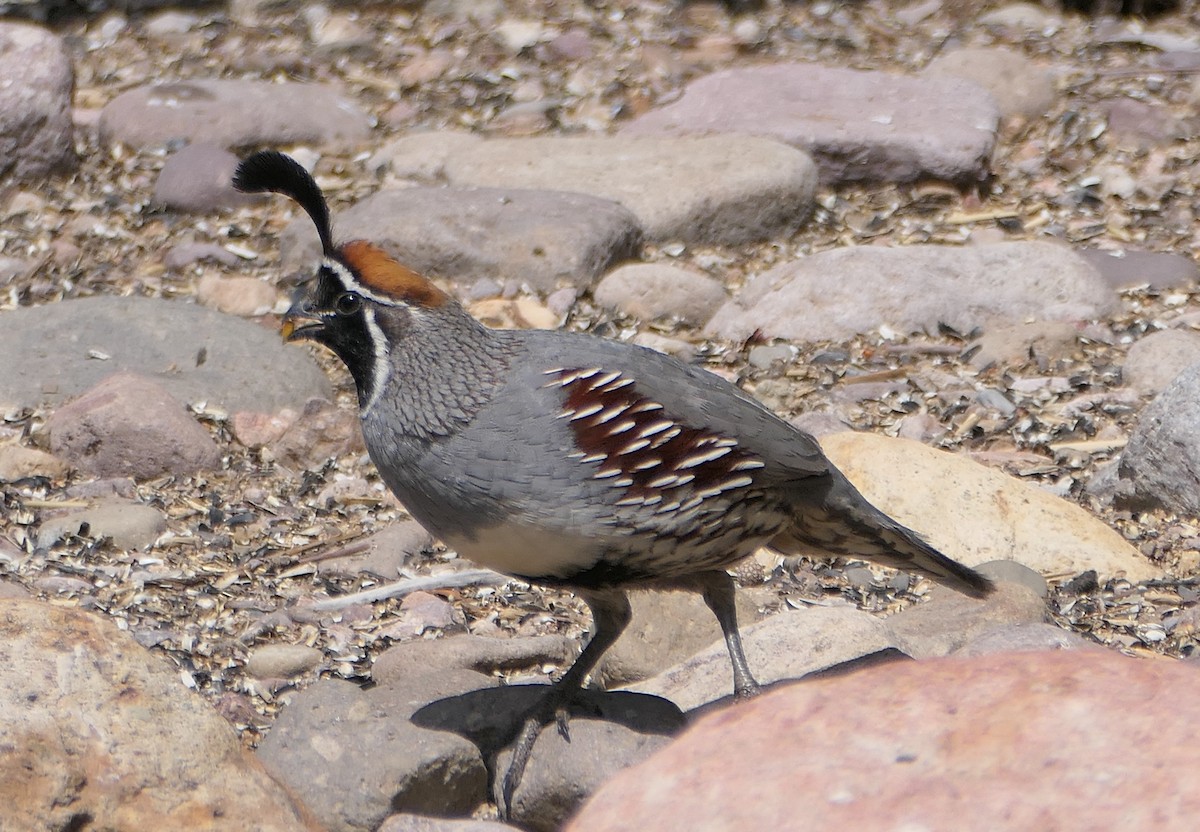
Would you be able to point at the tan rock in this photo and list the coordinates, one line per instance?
(244, 296)
(96, 728)
(976, 514)
(17, 462)
(1004, 742)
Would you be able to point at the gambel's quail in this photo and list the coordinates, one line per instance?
(570, 460)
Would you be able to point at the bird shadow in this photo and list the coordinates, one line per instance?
(492, 718)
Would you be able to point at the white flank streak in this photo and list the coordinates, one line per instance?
(701, 458)
(748, 465)
(621, 427)
(633, 447)
(611, 413)
(566, 414)
(623, 482)
(594, 458)
(656, 427)
(667, 508)
(586, 412)
(665, 482)
(646, 407)
(691, 503)
(736, 482)
(617, 385)
(605, 473)
(607, 378)
(630, 501)
(382, 363)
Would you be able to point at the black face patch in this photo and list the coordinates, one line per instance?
(344, 329)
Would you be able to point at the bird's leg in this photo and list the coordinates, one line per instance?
(718, 590)
(610, 616)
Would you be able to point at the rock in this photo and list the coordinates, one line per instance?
(185, 254)
(421, 823)
(713, 190)
(357, 758)
(562, 773)
(837, 294)
(243, 296)
(1152, 363)
(36, 131)
(668, 346)
(420, 157)
(199, 178)
(1161, 463)
(130, 426)
(1020, 87)
(784, 646)
(18, 462)
(421, 611)
(949, 620)
(519, 313)
(282, 661)
(384, 553)
(654, 290)
(1010, 735)
(479, 654)
(1012, 638)
(255, 430)
(97, 732)
(233, 113)
(321, 431)
(197, 354)
(11, 589)
(1140, 125)
(667, 628)
(543, 239)
(1018, 343)
(930, 491)
(857, 125)
(1029, 17)
(1126, 268)
(130, 526)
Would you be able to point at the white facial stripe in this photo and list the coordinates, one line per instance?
(353, 285)
(380, 368)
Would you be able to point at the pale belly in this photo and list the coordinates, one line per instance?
(521, 550)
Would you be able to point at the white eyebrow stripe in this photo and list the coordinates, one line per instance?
(355, 285)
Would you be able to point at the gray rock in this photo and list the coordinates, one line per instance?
(130, 426)
(562, 774)
(185, 254)
(422, 823)
(246, 297)
(357, 758)
(1020, 87)
(199, 178)
(1126, 268)
(479, 654)
(81, 697)
(841, 293)
(544, 239)
(36, 132)
(420, 157)
(948, 619)
(667, 628)
(282, 661)
(1011, 638)
(197, 354)
(1162, 459)
(784, 646)
(130, 525)
(657, 290)
(233, 113)
(714, 189)
(857, 125)
(384, 553)
(1153, 362)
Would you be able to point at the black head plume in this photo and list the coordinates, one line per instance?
(270, 170)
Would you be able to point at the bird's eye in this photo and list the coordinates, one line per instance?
(347, 303)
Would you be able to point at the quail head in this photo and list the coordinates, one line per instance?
(567, 459)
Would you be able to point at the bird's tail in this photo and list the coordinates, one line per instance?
(842, 522)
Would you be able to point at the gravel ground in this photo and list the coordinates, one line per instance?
(242, 565)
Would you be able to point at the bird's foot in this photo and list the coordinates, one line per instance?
(745, 692)
(554, 707)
